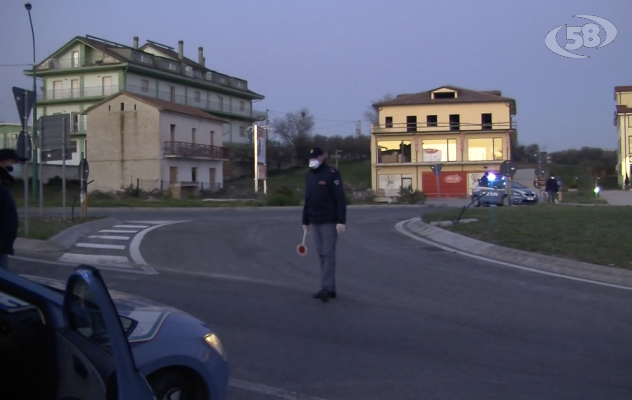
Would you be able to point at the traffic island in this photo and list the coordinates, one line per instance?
(596, 235)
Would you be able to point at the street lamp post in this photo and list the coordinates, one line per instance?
(34, 181)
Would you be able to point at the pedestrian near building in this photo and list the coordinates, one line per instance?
(8, 211)
(551, 188)
(484, 182)
(325, 210)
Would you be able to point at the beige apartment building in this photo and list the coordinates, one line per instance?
(155, 144)
(623, 122)
(467, 131)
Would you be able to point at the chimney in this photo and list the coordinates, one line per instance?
(135, 42)
(201, 55)
(180, 49)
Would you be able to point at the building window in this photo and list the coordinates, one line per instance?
(431, 120)
(242, 106)
(212, 138)
(172, 133)
(411, 123)
(106, 83)
(57, 85)
(221, 103)
(438, 150)
(75, 59)
(73, 146)
(394, 151)
(242, 131)
(455, 122)
(486, 121)
(629, 121)
(488, 149)
(198, 96)
(192, 135)
(197, 73)
(444, 95)
(193, 174)
(144, 85)
(172, 94)
(170, 65)
(388, 122)
(74, 88)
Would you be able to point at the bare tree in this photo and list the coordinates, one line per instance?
(295, 130)
(370, 115)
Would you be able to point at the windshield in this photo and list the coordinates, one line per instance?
(518, 185)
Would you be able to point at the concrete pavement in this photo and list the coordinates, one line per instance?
(411, 322)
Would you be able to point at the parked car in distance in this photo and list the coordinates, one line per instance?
(109, 345)
(496, 194)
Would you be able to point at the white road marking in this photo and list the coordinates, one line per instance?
(400, 228)
(116, 231)
(109, 237)
(73, 264)
(101, 246)
(152, 222)
(119, 261)
(131, 226)
(134, 247)
(269, 390)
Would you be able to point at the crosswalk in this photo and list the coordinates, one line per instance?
(117, 247)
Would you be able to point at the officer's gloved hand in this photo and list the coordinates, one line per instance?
(305, 228)
(340, 228)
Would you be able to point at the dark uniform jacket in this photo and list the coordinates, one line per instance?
(8, 214)
(324, 197)
(551, 185)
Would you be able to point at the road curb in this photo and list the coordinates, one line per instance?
(105, 210)
(467, 246)
(68, 237)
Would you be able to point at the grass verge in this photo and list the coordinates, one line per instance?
(582, 197)
(598, 235)
(45, 227)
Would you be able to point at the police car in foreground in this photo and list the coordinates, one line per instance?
(76, 340)
(496, 194)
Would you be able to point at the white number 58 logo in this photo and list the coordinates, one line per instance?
(582, 36)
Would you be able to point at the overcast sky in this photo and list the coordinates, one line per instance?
(335, 56)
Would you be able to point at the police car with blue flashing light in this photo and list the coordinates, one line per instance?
(77, 340)
(496, 193)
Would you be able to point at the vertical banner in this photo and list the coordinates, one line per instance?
(261, 146)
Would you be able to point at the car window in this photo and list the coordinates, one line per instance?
(518, 185)
(85, 318)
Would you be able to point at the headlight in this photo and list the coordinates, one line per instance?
(516, 193)
(216, 344)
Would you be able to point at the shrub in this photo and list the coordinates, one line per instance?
(410, 196)
(282, 196)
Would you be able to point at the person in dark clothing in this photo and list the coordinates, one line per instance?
(325, 210)
(8, 210)
(551, 189)
(485, 180)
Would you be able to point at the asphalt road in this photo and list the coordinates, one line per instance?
(411, 321)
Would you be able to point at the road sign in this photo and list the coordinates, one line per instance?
(55, 132)
(24, 146)
(84, 169)
(24, 100)
(436, 168)
(508, 168)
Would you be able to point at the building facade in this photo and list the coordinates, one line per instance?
(87, 70)
(623, 122)
(154, 145)
(468, 132)
(9, 132)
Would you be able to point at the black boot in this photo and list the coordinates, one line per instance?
(323, 295)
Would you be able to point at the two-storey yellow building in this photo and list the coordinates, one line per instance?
(623, 122)
(468, 132)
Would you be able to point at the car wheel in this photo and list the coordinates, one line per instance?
(505, 201)
(476, 201)
(174, 386)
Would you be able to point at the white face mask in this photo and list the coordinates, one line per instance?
(314, 163)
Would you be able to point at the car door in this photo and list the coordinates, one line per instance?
(95, 360)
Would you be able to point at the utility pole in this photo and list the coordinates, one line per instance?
(358, 128)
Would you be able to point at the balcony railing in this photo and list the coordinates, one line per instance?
(441, 127)
(68, 63)
(78, 93)
(190, 100)
(194, 150)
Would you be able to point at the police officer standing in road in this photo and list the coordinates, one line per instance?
(8, 210)
(325, 210)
